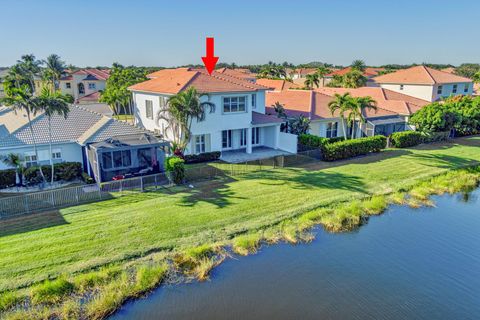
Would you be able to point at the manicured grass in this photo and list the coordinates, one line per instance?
(259, 206)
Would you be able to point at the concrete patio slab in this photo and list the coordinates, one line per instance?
(239, 156)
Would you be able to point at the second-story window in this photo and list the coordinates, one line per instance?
(149, 109)
(465, 89)
(234, 104)
(455, 88)
(439, 89)
(254, 101)
(91, 86)
(68, 85)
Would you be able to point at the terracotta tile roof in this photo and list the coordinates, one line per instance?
(66, 78)
(97, 73)
(368, 72)
(89, 97)
(420, 75)
(449, 70)
(304, 71)
(244, 74)
(172, 81)
(314, 103)
(277, 85)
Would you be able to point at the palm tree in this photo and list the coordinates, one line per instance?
(358, 65)
(179, 113)
(353, 79)
(322, 72)
(52, 103)
(14, 160)
(21, 98)
(343, 104)
(312, 80)
(55, 68)
(360, 104)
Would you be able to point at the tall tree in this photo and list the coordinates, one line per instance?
(354, 79)
(14, 160)
(312, 80)
(54, 69)
(179, 113)
(343, 104)
(358, 65)
(322, 71)
(357, 111)
(52, 103)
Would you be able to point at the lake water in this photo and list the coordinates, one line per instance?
(404, 264)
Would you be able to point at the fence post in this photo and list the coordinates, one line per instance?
(100, 191)
(76, 195)
(156, 181)
(53, 198)
(141, 183)
(27, 206)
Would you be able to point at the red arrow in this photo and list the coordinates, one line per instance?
(210, 60)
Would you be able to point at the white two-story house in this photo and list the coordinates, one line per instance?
(237, 121)
(425, 83)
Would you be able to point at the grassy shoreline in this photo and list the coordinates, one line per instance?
(200, 226)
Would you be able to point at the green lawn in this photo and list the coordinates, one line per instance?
(78, 238)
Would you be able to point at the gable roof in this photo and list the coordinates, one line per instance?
(173, 81)
(368, 72)
(98, 74)
(244, 74)
(277, 85)
(420, 75)
(81, 126)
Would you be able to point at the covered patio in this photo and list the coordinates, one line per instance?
(240, 156)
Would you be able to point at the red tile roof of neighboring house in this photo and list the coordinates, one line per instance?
(89, 97)
(303, 71)
(449, 70)
(314, 103)
(277, 85)
(260, 118)
(420, 75)
(97, 73)
(368, 72)
(238, 73)
(67, 78)
(172, 81)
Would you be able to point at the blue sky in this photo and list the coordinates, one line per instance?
(168, 33)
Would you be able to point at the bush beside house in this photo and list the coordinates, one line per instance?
(175, 168)
(65, 171)
(405, 139)
(7, 178)
(353, 148)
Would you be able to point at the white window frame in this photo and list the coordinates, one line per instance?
(229, 134)
(92, 86)
(243, 137)
(200, 143)
(256, 136)
(149, 109)
(254, 101)
(439, 89)
(455, 88)
(230, 103)
(30, 159)
(56, 154)
(332, 127)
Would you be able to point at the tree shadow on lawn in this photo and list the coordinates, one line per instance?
(444, 161)
(31, 222)
(216, 192)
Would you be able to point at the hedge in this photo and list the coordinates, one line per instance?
(352, 148)
(405, 139)
(65, 171)
(7, 178)
(310, 141)
(202, 157)
(175, 167)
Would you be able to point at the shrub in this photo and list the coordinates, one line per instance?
(406, 139)
(87, 178)
(65, 171)
(51, 291)
(352, 148)
(175, 168)
(312, 142)
(202, 157)
(7, 178)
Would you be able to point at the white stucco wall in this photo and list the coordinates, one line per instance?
(319, 127)
(424, 92)
(71, 152)
(447, 90)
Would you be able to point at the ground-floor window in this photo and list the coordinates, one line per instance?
(243, 137)
(200, 143)
(332, 129)
(255, 136)
(116, 159)
(30, 160)
(388, 129)
(56, 154)
(226, 139)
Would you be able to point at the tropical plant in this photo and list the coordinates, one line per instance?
(322, 71)
(179, 112)
(343, 104)
(52, 103)
(54, 70)
(357, 111)
(272, 71)
(353, 79)
(358, 65)
(14, 160)
(312, 80)
(299, 125)
(476, 77)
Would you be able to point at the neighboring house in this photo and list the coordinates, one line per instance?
(84, 85)
(278, 85)
(241, 73)
(393, 110)
(105, 147)
(300, 73)
(237, 122)
(368, 73)
(425, 83)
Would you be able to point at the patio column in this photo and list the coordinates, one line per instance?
(276, 137)
(249, 140)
